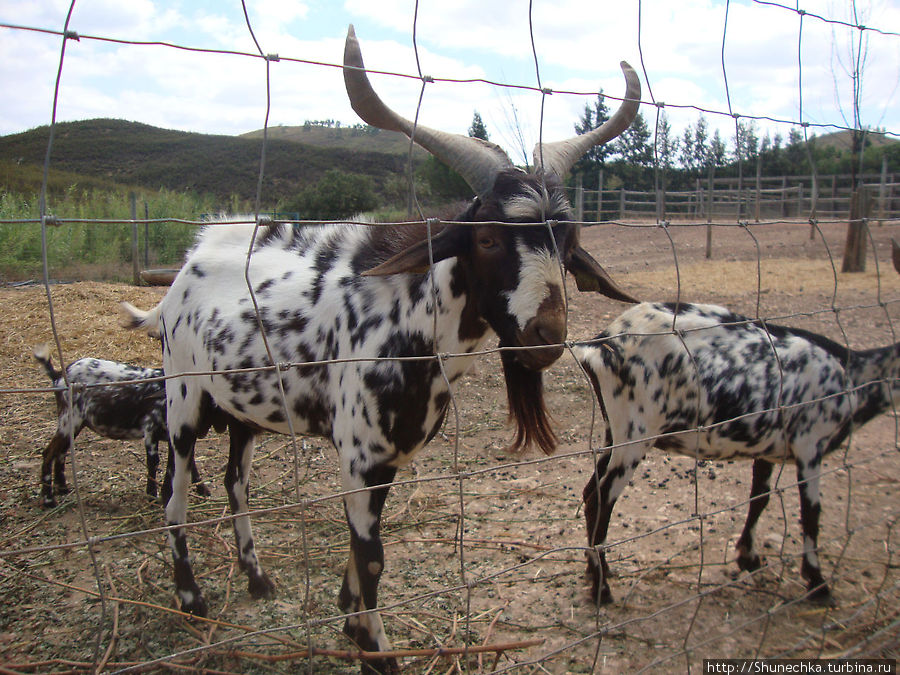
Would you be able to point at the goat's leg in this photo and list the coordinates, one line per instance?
(152, 451)
(359, 591)
(614, 470)
(199, 486)
(237, 485)
(175, 492)
(810, 508)
(748, 558)
(53, 465)
(597, 567)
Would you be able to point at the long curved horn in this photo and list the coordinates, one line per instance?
(559, 157)
(477, 161)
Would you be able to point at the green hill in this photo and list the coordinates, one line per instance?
(135, 154)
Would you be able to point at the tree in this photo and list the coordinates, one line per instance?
(746, 141)
(666, 145)
(478, 129)
(717, 151)
(634, 147)
(442, 180)
(695, 151)
(595, 158)
(336, 195)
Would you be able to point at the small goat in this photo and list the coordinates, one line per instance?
(382, 302)
(119, 411)
(757, 391)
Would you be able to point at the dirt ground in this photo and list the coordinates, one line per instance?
(481, 548)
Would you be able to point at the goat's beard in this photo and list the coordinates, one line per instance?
(525, 394)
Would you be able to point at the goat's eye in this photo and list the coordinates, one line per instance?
(487, 241)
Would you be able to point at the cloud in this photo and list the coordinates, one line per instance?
(770, 62)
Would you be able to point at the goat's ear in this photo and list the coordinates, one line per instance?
(415, 259)
(589, 276)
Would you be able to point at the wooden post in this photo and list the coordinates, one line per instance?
(882, 212)
(783, 196)
(579, 198)
(135, 261)
(622, 203)
(709, 213)
(146, 235)
(600, 195)
(813, 204)
(758, 190)
(855, 249)
(833, 196)
(698, 209)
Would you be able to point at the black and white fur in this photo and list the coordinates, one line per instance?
(357, 315)
(315, 304)
(135, 409)
(757, 391)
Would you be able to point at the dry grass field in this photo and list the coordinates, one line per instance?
(481, 548)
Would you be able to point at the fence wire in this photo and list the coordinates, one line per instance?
(679, 603)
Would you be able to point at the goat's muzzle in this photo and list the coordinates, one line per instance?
(546, 333)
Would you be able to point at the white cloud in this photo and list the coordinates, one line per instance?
(579, 44)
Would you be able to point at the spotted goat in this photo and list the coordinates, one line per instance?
(364, 297)
(756, 391)
(112, 399)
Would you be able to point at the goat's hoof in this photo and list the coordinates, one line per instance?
(601, 596)
(380, 667)
(749, 563)
(196, 606)
(361, 639)
(821, 595)
(201, 489)
(606, 597)
(261, 587)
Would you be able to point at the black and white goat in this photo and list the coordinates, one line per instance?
(103, 404)
(755, 391)
(359, 294)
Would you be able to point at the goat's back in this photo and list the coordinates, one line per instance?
(659, 372)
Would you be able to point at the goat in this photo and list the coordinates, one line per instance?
(135, 409)
(363, 295)
(701, 381)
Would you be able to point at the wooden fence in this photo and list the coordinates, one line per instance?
(751, 199)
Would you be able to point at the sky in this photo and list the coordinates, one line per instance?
(753, 59)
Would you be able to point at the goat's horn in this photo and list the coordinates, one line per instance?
(477, 161)
(559, 157)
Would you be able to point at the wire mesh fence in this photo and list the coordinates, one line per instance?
(484, 551)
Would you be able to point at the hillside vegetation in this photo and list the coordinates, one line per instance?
(141, 155)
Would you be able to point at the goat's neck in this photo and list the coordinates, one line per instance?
(448, 311)
(874, 373)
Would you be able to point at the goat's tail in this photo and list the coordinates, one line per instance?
(134, 318)
(42, 354)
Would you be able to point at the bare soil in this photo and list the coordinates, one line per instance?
(481, 547)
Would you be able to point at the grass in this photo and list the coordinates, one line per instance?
(98, 250)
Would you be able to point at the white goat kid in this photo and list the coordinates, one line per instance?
(132, 404)
(362, 294)
(758, 391)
